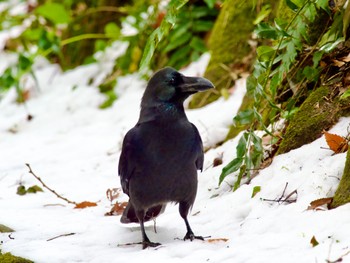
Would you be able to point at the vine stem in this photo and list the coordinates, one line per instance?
(280, 43)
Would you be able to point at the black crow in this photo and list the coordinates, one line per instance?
(162, 153)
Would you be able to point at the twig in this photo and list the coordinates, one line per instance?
(282, 200)
(340, 259)
(63, 235)
(48, 188)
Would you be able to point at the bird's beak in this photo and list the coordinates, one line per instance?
(195, 84)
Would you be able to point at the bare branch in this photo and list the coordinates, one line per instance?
(48, 188)
(63, 235)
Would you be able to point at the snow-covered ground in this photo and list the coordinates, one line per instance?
(74, 147)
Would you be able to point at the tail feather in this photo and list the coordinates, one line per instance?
(129, 214)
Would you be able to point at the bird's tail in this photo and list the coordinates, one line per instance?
(129, 214)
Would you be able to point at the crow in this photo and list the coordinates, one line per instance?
(161, 154)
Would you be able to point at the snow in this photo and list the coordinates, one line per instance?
(74, 146)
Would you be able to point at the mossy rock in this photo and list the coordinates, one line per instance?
(319, 112)
(5, 229)
(9, 258)
(228, 44)
(342, 195)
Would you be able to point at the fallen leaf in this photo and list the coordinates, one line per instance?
(336, 143)
(346, 58)
(84, 204)
(338, 63)
(113, 193)
(215, 240)
(117, 209)
(319, 202)
(313, 241)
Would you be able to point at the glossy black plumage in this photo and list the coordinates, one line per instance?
(162, 153)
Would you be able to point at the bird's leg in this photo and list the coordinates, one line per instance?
(183, 209)
(145, 240)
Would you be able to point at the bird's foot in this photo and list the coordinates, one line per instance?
(191, 236)
(146, 244)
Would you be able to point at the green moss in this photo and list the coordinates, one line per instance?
(9, 258)
(228, 44)
(317, 113)
(342, 195)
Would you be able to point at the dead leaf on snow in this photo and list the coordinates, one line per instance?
(216, 240)
(313, 241)
(336, 143)
(117, 209)
(315, 205)
(84, 204)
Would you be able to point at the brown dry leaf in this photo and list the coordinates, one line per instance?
(313, 241)
(113, 193)
(215, 240)
(346, 58)
(336, 143)
(314, 205)
(84, 204)
(117, 209)
(338, 63)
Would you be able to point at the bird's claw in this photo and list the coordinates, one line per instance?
(146, 244)
(191, 236)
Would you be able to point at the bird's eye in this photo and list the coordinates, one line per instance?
(172, 80)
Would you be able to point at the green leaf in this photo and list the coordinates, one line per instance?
(54, 12)
(311, 73)
(251, 84)
(180, 54)
(33, 189)
(264, 30)
(244, 117)
(198, 44)
(158, 34)
(310, 13)
(232, 167)
(178, 42)
(345, 95)
(21, 190)
(256, 190)
(242, 171)
(324, 5)
(292, 5)
(241, 148)
(173, 8)
(202, 26)
(210, 3)
(316, 58)
(150, 47)
(280, 24)
(264, 12)
(24, 62)
(112, 30)
(265, 53)
(178, 31)
(274, 83)
(197, 12)
(7, 80)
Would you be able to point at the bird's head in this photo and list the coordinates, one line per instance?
(169, 86)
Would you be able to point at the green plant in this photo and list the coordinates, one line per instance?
(285, 68)
(42, 37)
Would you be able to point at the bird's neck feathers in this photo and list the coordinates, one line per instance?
(162, 111)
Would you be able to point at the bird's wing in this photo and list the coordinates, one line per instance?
(127, 162)
(199, 149)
